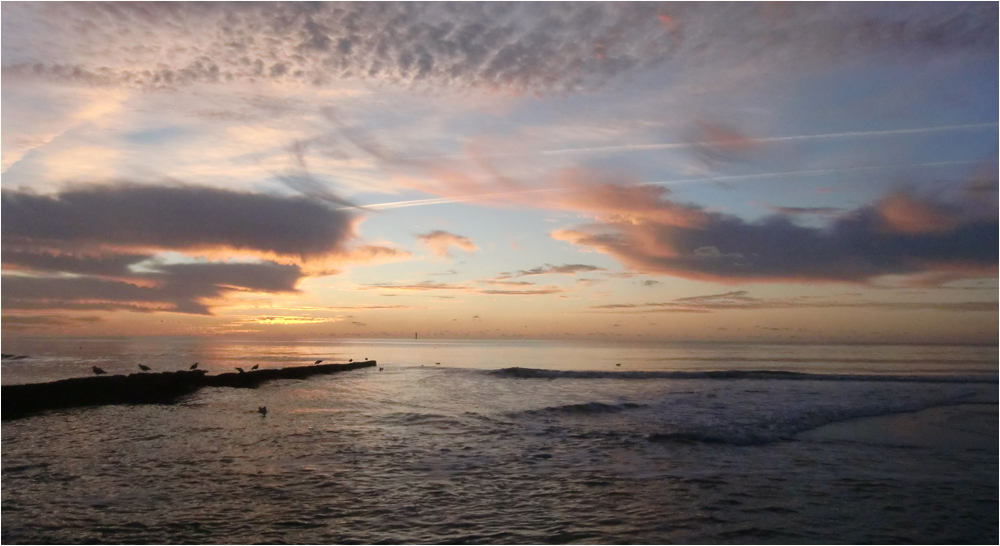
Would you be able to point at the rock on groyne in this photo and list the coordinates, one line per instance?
(144, 388)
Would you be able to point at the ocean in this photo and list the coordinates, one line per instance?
(513, 442)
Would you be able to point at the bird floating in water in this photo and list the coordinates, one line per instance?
(619, 364)
(380, 368)
(98, 371)
(255, 366)
(318, 361)
(241, 370)
(193, 366)
(262, 410)
(144, 368)
(437, 363)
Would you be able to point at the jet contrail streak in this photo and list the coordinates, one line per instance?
(679, 145)
(445, 200)
(476, 197)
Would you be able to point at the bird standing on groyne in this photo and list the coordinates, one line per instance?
(144, 368)
(318, 361)
(98, 371)
(255, 366)
(193, 366)
(241, 370)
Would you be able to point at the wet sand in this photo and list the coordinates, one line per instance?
(964, 426)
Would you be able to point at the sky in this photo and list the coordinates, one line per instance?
(771, 172)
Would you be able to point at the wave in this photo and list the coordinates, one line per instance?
(537, 373)
(750, 434)
(589, 408)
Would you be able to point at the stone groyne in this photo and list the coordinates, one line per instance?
(144, 388)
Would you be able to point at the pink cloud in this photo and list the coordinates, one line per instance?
(439, 242)
(903, 213)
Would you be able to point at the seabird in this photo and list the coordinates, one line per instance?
(98, 371)
(318, 361)
(262, 410)
(193, 366)
(240, 370)
(380, 368)
(438, 363)
(619, 364)
(144, 368)
(255, 366)
(350, 360)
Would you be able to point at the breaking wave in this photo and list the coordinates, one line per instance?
(589, 408)
(537, 373)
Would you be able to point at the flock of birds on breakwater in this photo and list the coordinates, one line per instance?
(262, 410)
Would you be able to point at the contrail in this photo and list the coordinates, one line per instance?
(445, 200)
(679, 145)
(480, 196)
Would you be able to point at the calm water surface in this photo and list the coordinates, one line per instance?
(578, 450)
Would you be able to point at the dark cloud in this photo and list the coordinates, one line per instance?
(857, 247)
(19, 322)
(567, 269)
(173, 218)
(180, 288)
(417, 287)
(827, 212)
(536, 292)
(93, 248)
(46, 261)
(538, 47)
(741, 300)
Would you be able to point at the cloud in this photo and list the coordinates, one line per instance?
(531, 47)
(173, 218)
(741, 300)
(289, 319)
(179, 288)
(426, 286)
(28, 322)
(536, 292)
(566, 269)
(857, 247)
(826, 212)
(99, 247)
(902, 213)
(439, 242)
(417, 287)
(507, 283)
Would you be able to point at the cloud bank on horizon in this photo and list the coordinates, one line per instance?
(224, 159)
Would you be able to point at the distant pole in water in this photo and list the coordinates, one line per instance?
(98, 371)
(144, 368)
(193, 366)
(414, 335)
(262, 410)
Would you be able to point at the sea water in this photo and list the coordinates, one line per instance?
(508, 442)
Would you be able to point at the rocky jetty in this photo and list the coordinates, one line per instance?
(144, 388)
